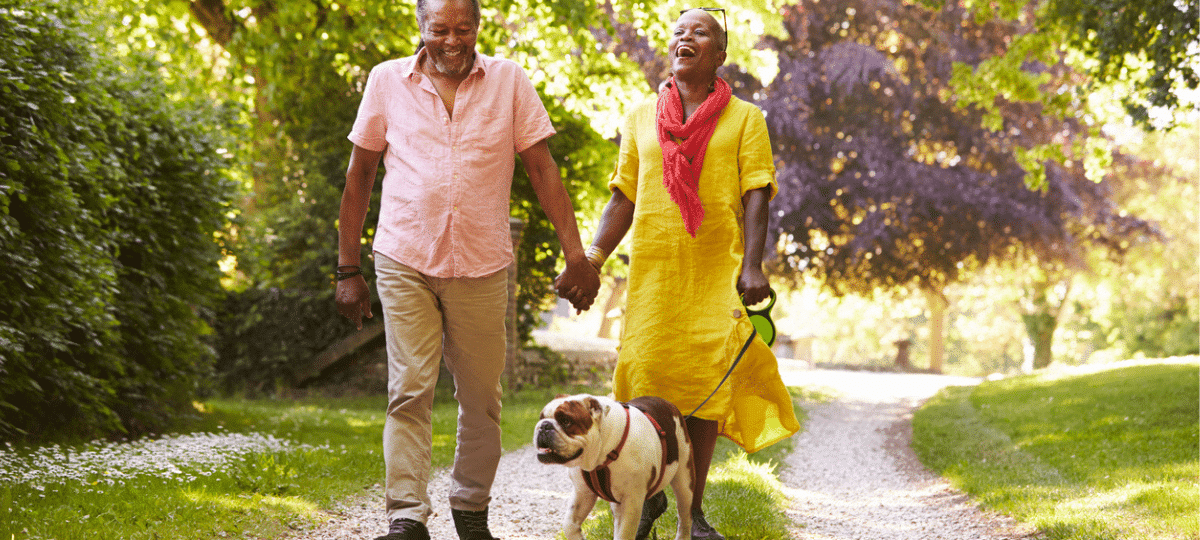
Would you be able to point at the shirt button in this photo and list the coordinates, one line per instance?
(737, 313)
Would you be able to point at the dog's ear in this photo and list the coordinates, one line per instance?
(595, 406)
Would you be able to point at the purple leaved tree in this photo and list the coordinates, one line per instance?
(886, 185)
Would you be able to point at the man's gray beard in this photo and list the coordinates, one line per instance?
(446, 68)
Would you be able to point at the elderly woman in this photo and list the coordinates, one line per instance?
(693, 180)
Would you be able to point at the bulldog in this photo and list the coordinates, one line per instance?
(621, 452)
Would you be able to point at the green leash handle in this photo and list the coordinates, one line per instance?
(761, 319)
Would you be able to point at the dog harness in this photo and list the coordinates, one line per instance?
(599, 480)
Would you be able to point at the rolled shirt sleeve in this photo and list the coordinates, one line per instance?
(370, 126)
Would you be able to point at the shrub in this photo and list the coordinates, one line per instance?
(112, 195)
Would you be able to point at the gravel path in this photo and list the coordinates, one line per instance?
(852, 476)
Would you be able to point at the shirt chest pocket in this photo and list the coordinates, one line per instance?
(422, 140)
(417, 132)
(488, 130)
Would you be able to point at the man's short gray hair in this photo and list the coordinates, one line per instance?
(421, 4)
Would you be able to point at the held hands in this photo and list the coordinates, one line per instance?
(354, 299)
(753, 286)
(579, 283)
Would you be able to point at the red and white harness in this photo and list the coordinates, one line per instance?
(599, 480)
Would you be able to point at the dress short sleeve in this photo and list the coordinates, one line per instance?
(625, 177)
(756, 165)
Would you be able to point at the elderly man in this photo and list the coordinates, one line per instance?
(446, 122)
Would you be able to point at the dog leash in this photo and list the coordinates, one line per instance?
(753, 333)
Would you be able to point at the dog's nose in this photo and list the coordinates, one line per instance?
(545, 425)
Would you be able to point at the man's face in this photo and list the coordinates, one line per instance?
(449, 31)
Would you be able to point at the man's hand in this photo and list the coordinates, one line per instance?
(579, 284)
(354, 300)
(353, 297)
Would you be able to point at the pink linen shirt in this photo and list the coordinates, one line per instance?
(448, 178)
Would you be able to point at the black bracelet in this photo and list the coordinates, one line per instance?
(347, 275)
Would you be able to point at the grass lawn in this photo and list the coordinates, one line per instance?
(242, 469)
(1087, 456)
(254, 468)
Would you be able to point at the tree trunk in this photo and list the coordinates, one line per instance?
(938, 306)
(902, 361)
(217, 21)
(516, 229)
(1040, 327)
(1043, 304)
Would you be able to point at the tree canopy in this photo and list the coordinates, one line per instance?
(1150, 47)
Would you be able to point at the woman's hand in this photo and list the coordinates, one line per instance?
(579, 283)
(753, 286)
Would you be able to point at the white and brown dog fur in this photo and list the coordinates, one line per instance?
(580, 431)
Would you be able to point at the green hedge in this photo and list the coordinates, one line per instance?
(112, 196)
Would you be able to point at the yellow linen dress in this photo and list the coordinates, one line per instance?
(684, 321)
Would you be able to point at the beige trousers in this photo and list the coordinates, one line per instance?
(460, 320)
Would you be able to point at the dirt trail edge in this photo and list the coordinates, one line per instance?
(854, 476)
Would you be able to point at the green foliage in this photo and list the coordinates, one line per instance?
(1146, 45)
(263, 335)
(1151, 42)
(1085, 456)
(1064, 52)
(111, 195)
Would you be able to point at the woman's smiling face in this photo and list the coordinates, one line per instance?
(694, 50)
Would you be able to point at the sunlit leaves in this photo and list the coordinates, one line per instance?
(1150, 44)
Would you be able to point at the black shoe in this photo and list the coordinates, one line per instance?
(472, 525)
(654, 507)
(701, 530)
(406, 529)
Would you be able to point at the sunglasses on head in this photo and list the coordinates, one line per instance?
(724, 24)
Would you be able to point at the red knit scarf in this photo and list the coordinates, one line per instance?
(682, 161)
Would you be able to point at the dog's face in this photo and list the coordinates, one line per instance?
(566, 426)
